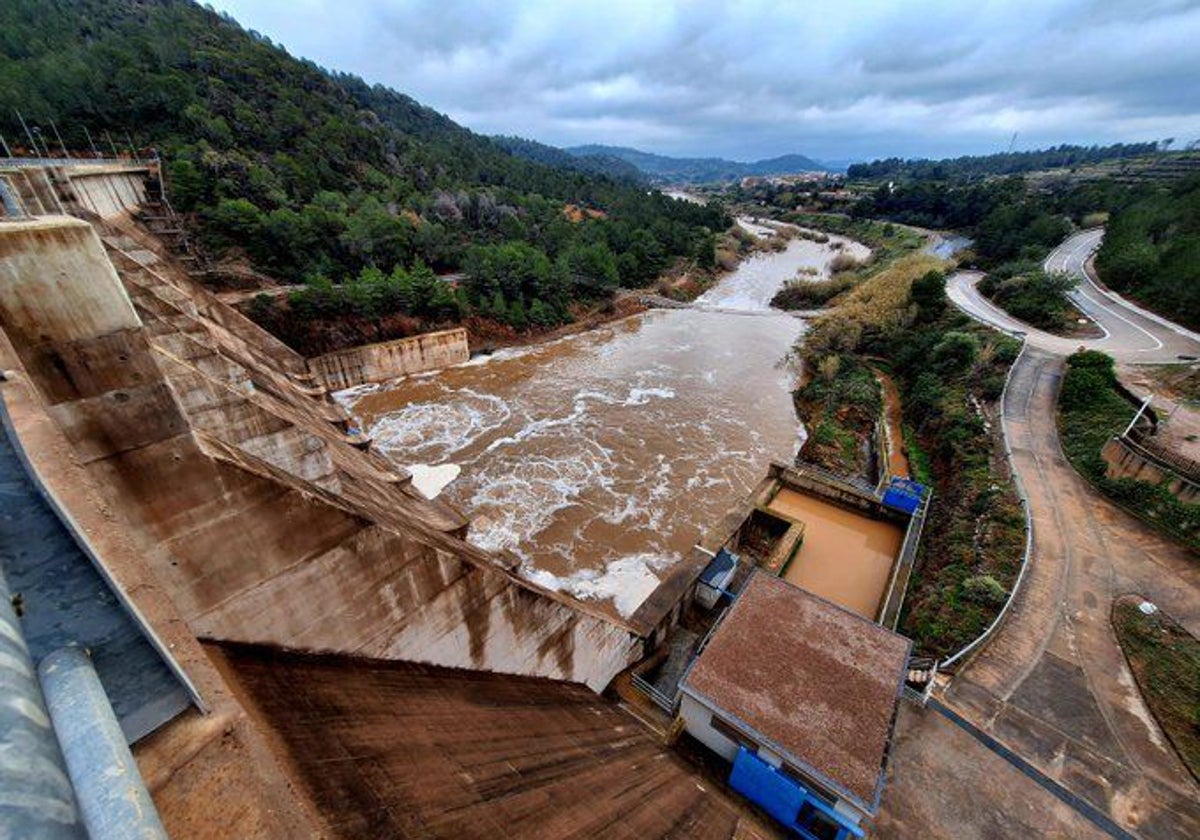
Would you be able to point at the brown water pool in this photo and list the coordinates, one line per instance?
(846, 557)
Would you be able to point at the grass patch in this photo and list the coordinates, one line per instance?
(1165, 660)
(1090, 411)
(841, 404)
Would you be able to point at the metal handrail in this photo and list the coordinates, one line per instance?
(657, 697)
(28, 162)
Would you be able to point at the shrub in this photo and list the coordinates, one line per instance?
(984, 589)
(955, 352)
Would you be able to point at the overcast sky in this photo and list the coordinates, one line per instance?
(747, 79)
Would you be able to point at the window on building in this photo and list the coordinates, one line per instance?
(733, 734)
(813, 788)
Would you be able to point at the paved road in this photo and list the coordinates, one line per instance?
(1053, 685)
(1130, 335)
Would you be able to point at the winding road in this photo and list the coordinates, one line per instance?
(1053, 686)
(1130, 334)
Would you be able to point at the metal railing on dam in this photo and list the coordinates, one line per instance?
(36, 162)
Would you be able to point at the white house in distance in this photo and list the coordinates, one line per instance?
(801, 695)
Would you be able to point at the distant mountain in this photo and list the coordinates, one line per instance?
(599, 164)
(699, 170)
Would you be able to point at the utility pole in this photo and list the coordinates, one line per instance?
(63, 145)
(1137, 417)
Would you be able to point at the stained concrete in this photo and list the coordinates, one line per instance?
(268, 522)
(388, 749)
(390, 359)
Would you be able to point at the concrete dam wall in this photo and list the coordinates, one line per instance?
(390, 359)
(265, 521)
(103, 190)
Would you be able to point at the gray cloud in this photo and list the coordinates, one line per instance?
(755, 78)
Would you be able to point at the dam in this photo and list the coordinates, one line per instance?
(286, 567)
(600, 459)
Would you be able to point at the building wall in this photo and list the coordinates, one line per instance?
(698, 722)
(391, 359)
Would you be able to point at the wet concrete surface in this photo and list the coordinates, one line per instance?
(942, 783)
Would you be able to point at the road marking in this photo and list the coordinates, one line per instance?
(1081, 250)
(1081, 806)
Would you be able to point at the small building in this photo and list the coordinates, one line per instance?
(715, 579)
(801, 696)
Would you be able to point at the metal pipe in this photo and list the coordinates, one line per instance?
(112, 797)
(28, 133)
(36, 800)
(12, 207)
(66, 154)
(1137, 417)
(95, 151)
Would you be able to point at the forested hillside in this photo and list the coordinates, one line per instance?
(309, 174)
(1004, 163)
(597, 164)
(1007, 220)
(1151, 250)
(698, 170)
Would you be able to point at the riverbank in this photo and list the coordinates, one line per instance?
(683, 284)
(600, 458)
(949, 373)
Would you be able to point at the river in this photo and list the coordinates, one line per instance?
(600, 459)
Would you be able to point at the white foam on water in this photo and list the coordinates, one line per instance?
(521, 499)
(628, 580)
(641, 396)
(434, 431)
(430, 481)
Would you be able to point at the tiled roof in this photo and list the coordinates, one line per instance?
(809, 678)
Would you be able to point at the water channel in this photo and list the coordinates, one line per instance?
(601, 458)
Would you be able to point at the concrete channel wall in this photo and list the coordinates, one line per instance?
(1128, 457)
(390, 359)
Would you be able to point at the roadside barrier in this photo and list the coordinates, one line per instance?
(1024, 499)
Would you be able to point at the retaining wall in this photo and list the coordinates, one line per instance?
(1126, 459)
(390, 359)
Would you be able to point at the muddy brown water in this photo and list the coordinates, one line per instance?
(894, 418)
(601, 458)
(846, 557)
